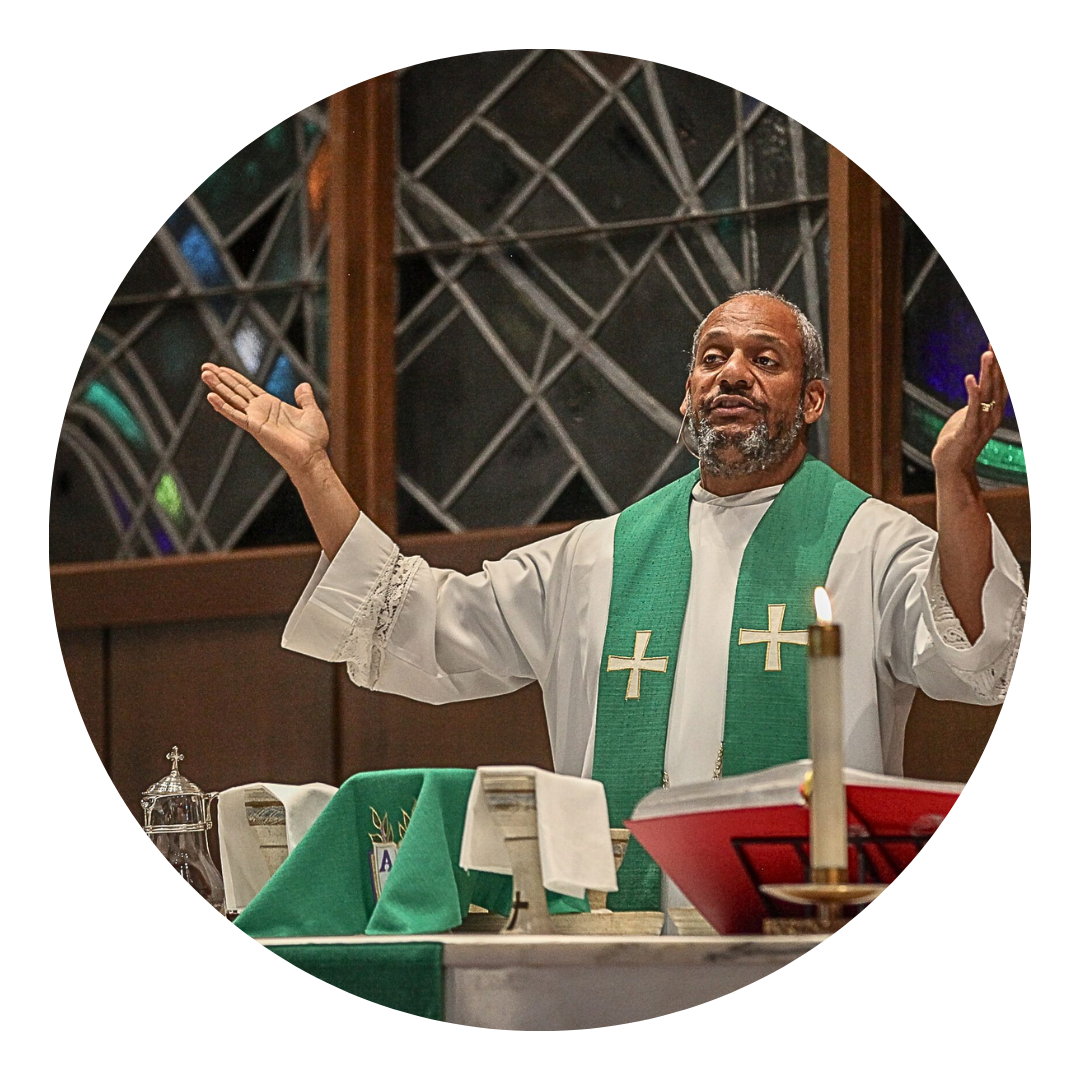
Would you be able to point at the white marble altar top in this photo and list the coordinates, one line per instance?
(564, 981)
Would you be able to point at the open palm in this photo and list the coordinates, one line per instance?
(967, 431)
(291, 434)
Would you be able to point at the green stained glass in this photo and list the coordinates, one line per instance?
(237, 188)
(615, 172)
(100, 397)
(1000, 460)
(168, 498)
(101, 342)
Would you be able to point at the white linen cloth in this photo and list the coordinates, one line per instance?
(244, 867)
(571, 826)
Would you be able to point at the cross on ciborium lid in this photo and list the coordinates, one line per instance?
(174, 783)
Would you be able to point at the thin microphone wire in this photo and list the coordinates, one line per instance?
(683, 437)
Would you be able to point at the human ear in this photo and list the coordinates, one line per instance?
(686, 400)
(814, 394)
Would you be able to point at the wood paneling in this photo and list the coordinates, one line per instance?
(944, 739)
(383, 731)
(1009, 507)
(84, 654)
(466, 552)
(239, 706)
(238, 584)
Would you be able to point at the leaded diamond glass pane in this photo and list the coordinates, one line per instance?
(550, 99)
(151, 274)
(564, 222)
(452, 400)
(477, 178)
(235, 276)
(615, 173)
(771, 168)
(621, 447)
(436, 98)
(516, 484)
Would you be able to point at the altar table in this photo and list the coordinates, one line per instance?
(560, 982)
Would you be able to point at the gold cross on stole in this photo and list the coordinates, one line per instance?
(638, 663)
(774, 637)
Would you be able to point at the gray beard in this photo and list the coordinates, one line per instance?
(757, 449)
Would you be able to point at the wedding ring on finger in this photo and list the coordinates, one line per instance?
(988, 406)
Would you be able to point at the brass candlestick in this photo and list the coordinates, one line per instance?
(829, 891)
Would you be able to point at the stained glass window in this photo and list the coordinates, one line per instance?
(236, 276)
(565, 220)
(943, 340)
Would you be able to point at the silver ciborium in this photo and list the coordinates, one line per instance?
(176, 816)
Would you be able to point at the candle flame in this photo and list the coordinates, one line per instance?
(823, 605)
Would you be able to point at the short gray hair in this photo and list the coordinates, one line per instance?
(813, 352)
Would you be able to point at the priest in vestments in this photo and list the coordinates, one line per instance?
(670, 640)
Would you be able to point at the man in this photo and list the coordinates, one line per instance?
(669, 640)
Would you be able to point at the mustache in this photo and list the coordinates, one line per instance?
(713, 401)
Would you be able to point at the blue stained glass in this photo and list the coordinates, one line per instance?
(282, 380)
(121, 507)
(161, 538)
(944, 339)
(200, 254)
(950, 353)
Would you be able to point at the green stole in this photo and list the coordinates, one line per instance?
(788, 554)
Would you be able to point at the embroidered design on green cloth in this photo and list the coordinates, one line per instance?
(637, 663)
(384, 848)
(774, 637)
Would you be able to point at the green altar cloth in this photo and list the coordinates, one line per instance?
(327, 886)
(406, 976)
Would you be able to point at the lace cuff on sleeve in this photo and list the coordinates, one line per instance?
(989, 682)
(364, 643)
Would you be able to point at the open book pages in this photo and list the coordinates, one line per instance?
(778, 786)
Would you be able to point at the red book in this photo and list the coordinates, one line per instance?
(719, 840)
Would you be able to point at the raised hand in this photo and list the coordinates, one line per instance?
(967, 431)
(295, 436)
(964, 534)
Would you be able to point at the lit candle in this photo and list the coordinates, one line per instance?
(828, 798)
